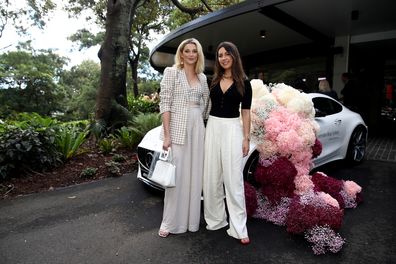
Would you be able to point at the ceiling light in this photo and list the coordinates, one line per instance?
(263, 34)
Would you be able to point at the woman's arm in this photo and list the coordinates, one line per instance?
(166, 125)
(246, 131)
(165, 94)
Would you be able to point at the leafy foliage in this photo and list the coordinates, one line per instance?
(106, 145)
(114, 168)
(23, 150)
(178, 17)
(80, 84)
(144, 122)
(27, 82)
(68, 141)
(127, 137)
(118, 158)
(25, 120)
(21, 17)
(142, 105)
(88, 172)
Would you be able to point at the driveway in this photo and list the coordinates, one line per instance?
(116, 221)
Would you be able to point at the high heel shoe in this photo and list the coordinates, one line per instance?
(245, 241)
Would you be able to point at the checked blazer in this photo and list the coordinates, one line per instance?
(174, 98)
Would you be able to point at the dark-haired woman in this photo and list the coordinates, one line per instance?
(226, 144)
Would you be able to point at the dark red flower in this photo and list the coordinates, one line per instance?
(316, 148)
(328, 185)
(302, 217)
(277, 179)
(250, 199)
(281, 172)
(359, 198)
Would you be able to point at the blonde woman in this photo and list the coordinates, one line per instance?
(183, 97)
(324, 88)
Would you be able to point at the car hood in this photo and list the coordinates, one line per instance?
(152, 140)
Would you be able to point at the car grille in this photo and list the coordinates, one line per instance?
(146, 158)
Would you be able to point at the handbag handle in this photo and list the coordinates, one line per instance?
(166, 155)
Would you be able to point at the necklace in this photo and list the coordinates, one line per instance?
(226, 77)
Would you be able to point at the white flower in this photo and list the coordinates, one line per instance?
(258, 89)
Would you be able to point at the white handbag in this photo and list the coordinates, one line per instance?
(164, 171)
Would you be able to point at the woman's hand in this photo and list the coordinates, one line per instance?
(167, 143)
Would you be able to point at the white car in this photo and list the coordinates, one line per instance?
(343, 135)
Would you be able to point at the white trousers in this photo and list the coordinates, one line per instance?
(223, 176)
(182, 204)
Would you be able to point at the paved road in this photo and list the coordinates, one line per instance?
(116, 221)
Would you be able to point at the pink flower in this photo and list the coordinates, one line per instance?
(274, 213)
(324, 239)
(352, 188)
(303, 184)
(328, 199)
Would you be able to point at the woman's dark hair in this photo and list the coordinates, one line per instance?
(237, 71)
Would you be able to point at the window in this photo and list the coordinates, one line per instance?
(325, 106)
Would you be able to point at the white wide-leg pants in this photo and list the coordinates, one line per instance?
(223, 176)
(182, 204)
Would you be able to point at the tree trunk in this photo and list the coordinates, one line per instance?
(111, 99)
(133, 64)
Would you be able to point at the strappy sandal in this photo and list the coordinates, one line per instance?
(163, 233)
(245, 241)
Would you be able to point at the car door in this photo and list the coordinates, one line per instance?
(332, 130)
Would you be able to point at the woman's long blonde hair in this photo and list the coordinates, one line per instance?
(200, 65)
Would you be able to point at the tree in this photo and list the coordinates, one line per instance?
(192, 9)
(123, 20)
(150, 17)
(110, 103)
(22, 16)
(28, 82)
(80, 85)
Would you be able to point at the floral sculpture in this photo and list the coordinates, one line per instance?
(285, 132)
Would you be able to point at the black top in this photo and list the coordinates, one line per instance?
(227, 104)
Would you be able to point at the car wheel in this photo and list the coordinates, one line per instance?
(357, 145)
(250, 168)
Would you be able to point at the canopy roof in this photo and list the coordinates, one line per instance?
(291, 27)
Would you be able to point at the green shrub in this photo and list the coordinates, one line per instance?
(118, 158)
(88, 172)
(106, 145)
(127, 137)
(142, 105)
(113, 168)
(77, 124)
(27, 120)
(98, 129)
(142, 123)
(69, 140)
(23, 150)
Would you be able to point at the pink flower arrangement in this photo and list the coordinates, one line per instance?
(284, 129)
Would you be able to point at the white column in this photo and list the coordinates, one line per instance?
(340, 62)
